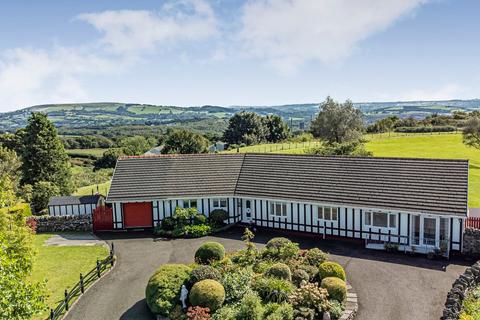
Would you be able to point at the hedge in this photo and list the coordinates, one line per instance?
(337, 288)
(209, 252)
(425, 129)
(331, 269)
(208, 294)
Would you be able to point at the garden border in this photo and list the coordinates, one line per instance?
(351, 307)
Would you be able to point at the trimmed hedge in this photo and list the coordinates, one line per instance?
(337, 288)
(280, 271)
(203, 273)
(209, 252)
(425, 129)
(331, 269)
(208, 294)
(163, 288)
(277, 243)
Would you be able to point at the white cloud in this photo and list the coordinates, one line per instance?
(134, 31)
(288, 33)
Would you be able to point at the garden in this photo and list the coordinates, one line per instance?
(471, 305)
(189, 223)
(280, 282)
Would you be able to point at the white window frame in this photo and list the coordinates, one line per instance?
(217, 203)
(369, 222)
(323, 210)
(283, 209)
(187, 203)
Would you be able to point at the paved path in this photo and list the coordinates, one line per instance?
(389, 286)
(73, 239)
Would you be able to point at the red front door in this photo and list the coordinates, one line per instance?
(138, 214)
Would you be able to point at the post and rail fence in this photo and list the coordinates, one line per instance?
(85, 280)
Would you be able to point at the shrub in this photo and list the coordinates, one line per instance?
(281, 250)
(226, 313)
(277, 242)
(309, 295)
(262, 266)
(200, 230)
(336, 309)
(272, 289)
(236, 283)
(300, 276)
(304, 313)
(204, 272)
(250, 308)
(200, 219)
(207, 293)
(312, 271)
(208, 252)
(316, 256)
(280, 271)
(275, 311)
(168, 224)
(218, 216)
(337, 289)
(198, 313)
(331, 269)
(163, 288)
(177, 313)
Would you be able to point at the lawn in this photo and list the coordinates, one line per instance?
(284, 147)
(92, 189)
(97, 152)
(61, 266)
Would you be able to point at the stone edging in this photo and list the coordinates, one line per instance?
(351, 307)
(466, 281)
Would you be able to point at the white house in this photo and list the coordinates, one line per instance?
(419, 204)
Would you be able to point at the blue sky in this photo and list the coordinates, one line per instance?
(232, 52)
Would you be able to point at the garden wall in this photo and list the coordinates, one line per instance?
(62, 223)
(471, 242)
(468, 280)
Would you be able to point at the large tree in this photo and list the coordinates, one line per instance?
(183, 141)
(137, 145)
(338, 122)
(276, 129)
(471, 132)
(43, 155)
(244, 127)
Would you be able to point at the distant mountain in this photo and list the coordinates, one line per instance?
(101, 115)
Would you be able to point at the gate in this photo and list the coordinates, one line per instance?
(102, 218)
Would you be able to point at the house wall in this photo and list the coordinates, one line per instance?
(71, 210)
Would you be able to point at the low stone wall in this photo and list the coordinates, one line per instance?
(63, 223)
(468, 280)
(471, 242)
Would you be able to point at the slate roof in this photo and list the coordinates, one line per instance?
(72, 200)
(406, 184)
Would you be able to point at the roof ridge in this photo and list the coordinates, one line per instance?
(178, 155)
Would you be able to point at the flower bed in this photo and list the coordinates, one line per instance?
(189, 223)
(280, 282)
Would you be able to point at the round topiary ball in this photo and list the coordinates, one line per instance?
(209, 252)
(316, 256)
(280, 271)
(298, 276)
(331, 269)
(277, 243)
(203, 273)
(208, 294)
(218, 216)
(337, 288)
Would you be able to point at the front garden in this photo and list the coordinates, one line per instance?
(280, 282)
(471, 305)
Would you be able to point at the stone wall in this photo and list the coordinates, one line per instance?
(468, 280)
(471, 242)
(63, 223)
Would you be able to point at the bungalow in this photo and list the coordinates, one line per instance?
(418, 204)
(71, 205)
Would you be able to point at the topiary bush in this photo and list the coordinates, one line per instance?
(272, 289)
(316, 256)
(299, 276)
(280, 271)
(208, 294)
(209, 252)
(331, 269)
(218, 216)
(163, 288)
(277, 243)
(204, 272)
(337, 288)
(250, 308)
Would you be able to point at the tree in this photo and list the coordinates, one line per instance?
(137, 145)
(276, 129)
(244, 127)
(43, 155)
(337, 122)
(183, 141)
(41, 194)
(108, 159)
(383, 125)
(471, 132)
(354, 149)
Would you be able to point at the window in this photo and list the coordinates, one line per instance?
(220, 203)
(190, 203)
(327, 213)
(380, 219)
(278, 209)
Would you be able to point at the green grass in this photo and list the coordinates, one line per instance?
(92, 189)
(97, 152)
(284, 147)
(61, 266)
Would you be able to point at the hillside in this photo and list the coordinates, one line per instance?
(101, 115)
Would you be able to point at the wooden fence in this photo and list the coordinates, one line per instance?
(80, 287)
(472, 222)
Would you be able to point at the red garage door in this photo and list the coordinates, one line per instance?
(137, 214)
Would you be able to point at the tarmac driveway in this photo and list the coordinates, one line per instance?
(389, 286)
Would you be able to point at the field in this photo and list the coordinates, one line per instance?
(93, 152)
(285, 147)
(61, 266)
(92, 189)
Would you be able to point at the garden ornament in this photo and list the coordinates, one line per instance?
(326, 315)
(183, 296)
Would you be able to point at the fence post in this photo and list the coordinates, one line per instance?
(66, 300)
(112, 252)
(52, 314)
(98, 268)
(82, 288)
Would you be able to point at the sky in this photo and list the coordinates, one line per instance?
(237, 52)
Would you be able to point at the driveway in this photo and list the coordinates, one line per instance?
(389, 286)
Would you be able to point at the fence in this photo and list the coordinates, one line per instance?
(84, 281)
(472, 222)
(277, 147)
